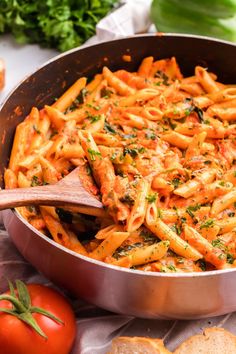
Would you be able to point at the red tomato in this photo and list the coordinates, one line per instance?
(17, 337)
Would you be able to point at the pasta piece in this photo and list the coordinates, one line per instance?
(179, 246)
(109, 245)
(212, 254)
(143, 255)
(206, 80)
(107, 231)
(141, 95)
(62, 236)
(145, 67)
(138, 211)
(10, 179)
(187, 189)
(19, 145)
(117, 84)
(226, 225)
(223, 202)
(63, 102)
(23, 181)
(57, 118)
(226, 94)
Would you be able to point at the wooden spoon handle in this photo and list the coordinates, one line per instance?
(48, 195)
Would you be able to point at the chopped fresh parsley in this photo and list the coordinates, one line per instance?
(207, 224)
(151, 198)
(165, 80)
(106, 92)
(172, 268)
(217, 243)
(148, 236)
(93, 118)
(133, 152)
(176, 182)
(193, 108)
(150, 135)
(93, 154)
(159, 213)
(230, 258)
(109, 128)
(127, 199)
(36, 130)
(35, 181)
(192, 208)
(60, 24)
(202, 264)
(81, 97)
(176, 228)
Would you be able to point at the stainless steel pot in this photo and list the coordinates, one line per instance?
(142, 294)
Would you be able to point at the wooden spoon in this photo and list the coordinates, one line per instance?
(67, 192)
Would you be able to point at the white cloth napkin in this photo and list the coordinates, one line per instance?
(132, 17)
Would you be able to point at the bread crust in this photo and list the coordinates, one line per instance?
(212, 341)
(137, 345)
(2, 74)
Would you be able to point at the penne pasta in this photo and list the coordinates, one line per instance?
(158, 149)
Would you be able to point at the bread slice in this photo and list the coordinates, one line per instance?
(212, 341)
(2, 74)
(137, 345)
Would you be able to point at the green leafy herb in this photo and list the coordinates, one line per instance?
(127, 199)
(230, 258)
(35, 181)
(93, 118)
(97, 108)
(192, 208)
(150, 135)
(36, 130)
(161, 75)
(172, 268)
(207, 224)
(176, 228)
(93, 154)
(148, 236)
(82, 95)
(88, 170)
(202, 265)
(109, 128)
(151, 198)
(176, 182)
(217, 243)
(61, 24)
(105, 92)
(133, 152)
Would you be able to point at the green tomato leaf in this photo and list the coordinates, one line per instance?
(23, 293)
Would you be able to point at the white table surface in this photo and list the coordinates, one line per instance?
(20, 61)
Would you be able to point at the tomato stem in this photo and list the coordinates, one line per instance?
(22, 308)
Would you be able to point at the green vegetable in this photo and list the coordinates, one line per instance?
(62, 24)
(215, 18)
(151, 198)
(214, 8)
